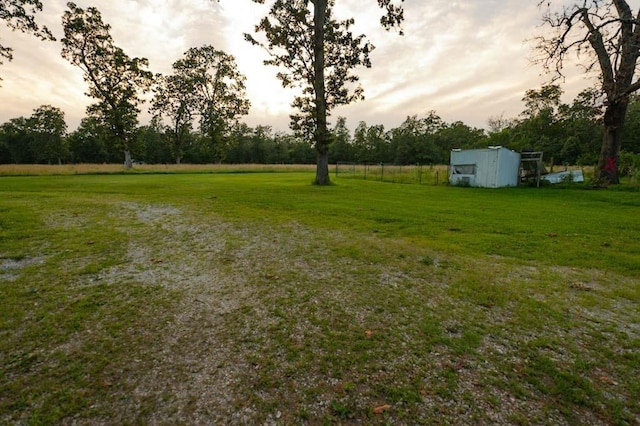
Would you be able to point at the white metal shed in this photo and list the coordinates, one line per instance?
(493, 167)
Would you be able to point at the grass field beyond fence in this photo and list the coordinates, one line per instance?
(416, 174)
(84, 169)
(252, 298)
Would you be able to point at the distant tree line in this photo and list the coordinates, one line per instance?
(318, 54)
(33, 140)
(566, 133)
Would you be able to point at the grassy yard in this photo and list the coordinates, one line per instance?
(252, 298)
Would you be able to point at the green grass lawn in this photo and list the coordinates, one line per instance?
(257, 297)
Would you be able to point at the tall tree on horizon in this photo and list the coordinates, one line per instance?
(605, 34)
(172, 101)
(207, 84)
(114, 79)
(318, 53)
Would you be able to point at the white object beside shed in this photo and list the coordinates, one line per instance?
(492, 167)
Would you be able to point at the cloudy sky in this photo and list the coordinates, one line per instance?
(466, 59)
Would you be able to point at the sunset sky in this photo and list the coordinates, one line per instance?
(467, 60)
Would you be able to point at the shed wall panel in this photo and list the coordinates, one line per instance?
(494, 167)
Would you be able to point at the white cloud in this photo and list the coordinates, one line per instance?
(465, 59)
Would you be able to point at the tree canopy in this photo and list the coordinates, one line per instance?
(287, 30)
(40, 138)
(568, 133)
(114, 79)
(49, 130)
(20, 15)
(205, 84)
(605, 35)
(196, 109)
(318, 54)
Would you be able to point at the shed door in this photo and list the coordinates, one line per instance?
(487, 169)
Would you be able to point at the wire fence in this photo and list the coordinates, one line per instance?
(416, 174)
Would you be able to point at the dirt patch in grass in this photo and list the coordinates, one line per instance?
(11, 267)
(284, 324)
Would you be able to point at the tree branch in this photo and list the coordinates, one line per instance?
(596, 40)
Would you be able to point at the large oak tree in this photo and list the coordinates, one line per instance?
(205, 84)
(114, 79)
(318, 54)
(606, 37)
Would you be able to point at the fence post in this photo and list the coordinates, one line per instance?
(381, 172)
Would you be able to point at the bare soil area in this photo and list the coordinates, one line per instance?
(288, 325)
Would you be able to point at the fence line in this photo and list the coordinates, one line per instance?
(416, 174)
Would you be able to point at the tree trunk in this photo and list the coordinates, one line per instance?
(128, 164)
(614, 117)
(322, 169)
(321, 133)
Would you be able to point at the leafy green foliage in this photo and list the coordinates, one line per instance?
(20, 15)
(40, 138)
(629, 164)
(289, 30)
(15, 138)
(90, 143)
(318, 54)
(418, 140)
(114, 78)
(172, 99)
(206, 84)
(631, 142)
(50, 129)
(566, 133)
(605, 35)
